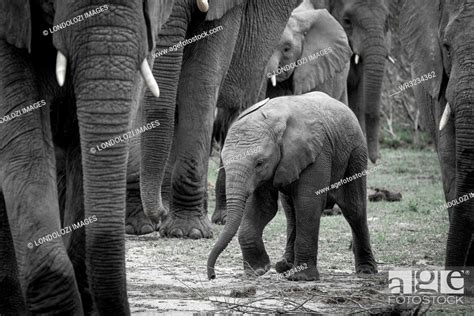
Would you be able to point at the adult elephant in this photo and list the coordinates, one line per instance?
(314, 41)
(438, 38)
(367, 27)
(317, 44)
(80, 65)
(225, 68)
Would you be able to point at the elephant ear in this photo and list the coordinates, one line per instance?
(217, 8)
(300, 138)
(325, 46)
(419, 27)
(15, 22)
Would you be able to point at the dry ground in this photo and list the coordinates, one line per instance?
(168, 276)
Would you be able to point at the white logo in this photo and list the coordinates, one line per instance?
(425, 286)
(426, 282)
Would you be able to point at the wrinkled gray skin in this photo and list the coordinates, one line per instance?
(226, 69)
(306, 33)
(84, 272)
(438, 37)
(309, 32)
(295, 145)
(367, 27)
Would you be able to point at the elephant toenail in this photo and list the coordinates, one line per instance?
(176, 233)
(260, 272)
(146, 229)
(195, 234)
(129, 229)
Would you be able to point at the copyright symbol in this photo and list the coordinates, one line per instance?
(45, 33)
(30, 245)
(93, 150)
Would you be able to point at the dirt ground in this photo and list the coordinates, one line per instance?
(168, 276)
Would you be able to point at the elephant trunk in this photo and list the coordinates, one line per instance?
(105, 92)
(461, 227)
(156, 144)
(374, 58)
(236, 199)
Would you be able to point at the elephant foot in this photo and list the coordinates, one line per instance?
(219, 217)
(283, 265)
(139, 224)
(193, 227)
(366, 268)
(310, 273)
(257, 269)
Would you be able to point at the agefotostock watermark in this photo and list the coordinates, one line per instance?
(76, 19)
(62, 232)
(427, 287)
(188, 41)
(125, 136)
(346, 180)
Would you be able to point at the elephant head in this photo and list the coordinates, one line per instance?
(268, 147)
(438, 39)
(313, 41)
(367, 27)
(102, 49)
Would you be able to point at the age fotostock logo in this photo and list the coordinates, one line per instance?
(441, 287)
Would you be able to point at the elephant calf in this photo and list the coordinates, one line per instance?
(306, 143)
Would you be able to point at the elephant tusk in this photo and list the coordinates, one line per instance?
(274, 80)
(149, 79)
(61, 67)
(445, 117)
(390, 59)
(356, 59)
(203, 5)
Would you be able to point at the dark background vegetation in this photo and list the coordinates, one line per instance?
(401, 122)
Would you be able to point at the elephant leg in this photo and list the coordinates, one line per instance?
(308, 209)
(220, 213)
(352, 198)
(260, 209)
(46, 273)
(196, 102)
(287, 261)
(11, 300)
(29, 186)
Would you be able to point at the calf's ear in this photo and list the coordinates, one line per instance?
(300, 144)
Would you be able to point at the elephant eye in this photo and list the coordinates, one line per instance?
(346, 21)
(447, 48)
(259, 163)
